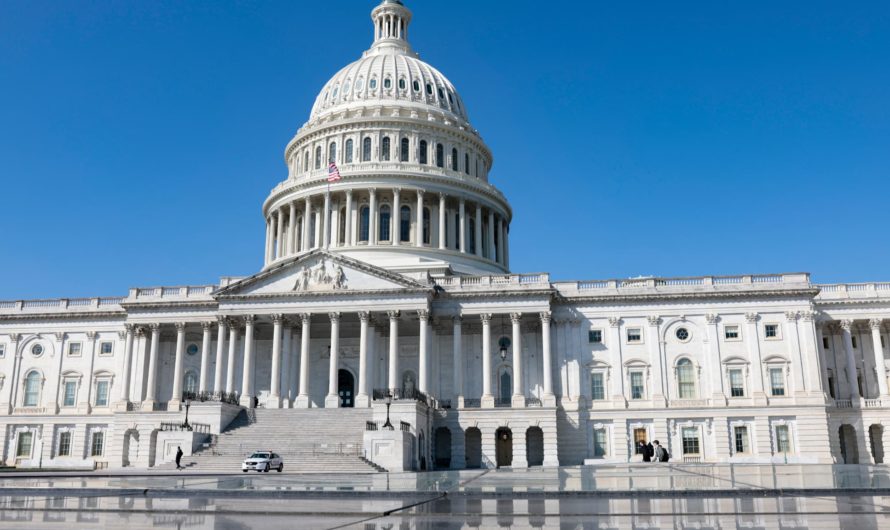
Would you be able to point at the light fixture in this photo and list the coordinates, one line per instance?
(502, 342)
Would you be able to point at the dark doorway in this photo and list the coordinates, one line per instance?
(346, 388)
(473, 447)
(504, 447)
(849, 450)
(876, 433)
(534, 444)
(443, 448)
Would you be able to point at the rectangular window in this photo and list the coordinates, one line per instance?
(740, 433)
(595, 336)
(639, 436)
(731, 332)
(771, 331)
(102, 394)
(859, 383)
(686, 382)
(597, 387)
(70, 394)
(74, 349)
(106, 348)
(98, 444)
(600, 443)
(634, 335)
(736, 383)
(64, 444)
(853, 340)
(23, 448)
(831, 384)
(690, 441)
(825, 343)
(776, 382)
(783, 441)
(636, 385)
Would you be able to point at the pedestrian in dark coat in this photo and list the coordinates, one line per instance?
(178, 457)
(648, 452)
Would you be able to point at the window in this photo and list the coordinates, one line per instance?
(318, 157)
(364, 223)
(384, 228)
(23, 447)
(359, 83)
(347, 152)
(70, 397)
(2, 350)
(402, 83)
(404, 223)
(776, 382)
(831, 384)
(335, 92)
(682, 334)
(453, 159)
(640, 439)
(636, 385)
(32, 389)
(372, 84)
(457, 242)
(736, 383)
(595, 336)
(97, 444)
(472, 235)
(102, 393)
(853, 339)
(441, 93)
(771, 331)
(415, 85)
(332, 152)
(731, 332)
(634, 335)
(426, 226)
(685, 379)
(429, 89)
(405, 148)
(825, 343)
(346, 87)
(440, 155)
(74, 349)
(191, 382)
(106, 348)
(859, 382)
(366, 150)
(467, 163)
(387, 83)
(600, 443)
(422, 154)
(384, 150)
(740, 436)
(690, 441)
(783, 440)
(597, 386)
(64, 444)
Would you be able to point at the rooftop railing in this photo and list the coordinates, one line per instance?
(756, 281)
(54, 305)
(853, 290)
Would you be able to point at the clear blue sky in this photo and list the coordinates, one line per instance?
(139, 139)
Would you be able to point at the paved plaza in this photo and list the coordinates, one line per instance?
(630, 496)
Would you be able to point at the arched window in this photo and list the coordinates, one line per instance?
(440, 155)
(685, 379)
(347, 154)
(332, 152)
(318, 157)
(405, 223)
(467, 163)
(191, 382)
(311, 230)
(32, 389)
(472, 236)
(385, 219)
(401, 83)
(456, 231)
(403, 152)
(366, 150)
(341, 226)
(426, 226)
(364, 224)
(384, 150)
(306, 161)
(453, 159)
(299, 230)
(422, 155)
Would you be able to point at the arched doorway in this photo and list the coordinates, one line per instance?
(473, 444)
(849, 451)
(503, 447)
(443, 448)
(421, 451)
(534, 446)
(346, 388)
(876, 436)
(131, 448)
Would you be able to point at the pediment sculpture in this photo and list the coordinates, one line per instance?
(319, 276)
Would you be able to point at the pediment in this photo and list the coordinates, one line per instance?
(320, 272)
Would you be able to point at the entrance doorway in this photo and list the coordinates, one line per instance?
(443, 448)
(876, 433)
(849, 451)
(534, 443)
(473, 447)
(346, 388)
(504, 447)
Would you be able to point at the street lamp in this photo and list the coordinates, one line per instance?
(388, 401)
(185, 424)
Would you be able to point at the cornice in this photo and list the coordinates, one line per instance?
(64, 316)
(327, 294)
(518, 293)
(569, 299)
(170, 303)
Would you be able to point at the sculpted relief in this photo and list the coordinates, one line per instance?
(322, 275)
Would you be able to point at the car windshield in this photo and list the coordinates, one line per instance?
(260, 455)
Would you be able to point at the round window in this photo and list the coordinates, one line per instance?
(346, 87)
(372, 84)
(416, 86)
(429, 89)
(682, 333)
(359, 84)
(191, 349)
(401, 84)
(334, 93)
(387, 83)
(37, 350)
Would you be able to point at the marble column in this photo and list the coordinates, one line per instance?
(458, 361)
(86, 404)
(303, 401)
(372, 217)
(362, 398)
(395, 220)
(151, 384)
(233, 349)
(286, 368)
(462, 236)
(274, 401)
(326, 222)
(347, 234)
(752, 339)
(220, 352)
(490, 231)
(332, 400)
(418, 234)
(205, 356)
(713, 366)
(307, 213)
(658, 370)
(880, 367)
(423, 373)
(247, 376)
(279, 234)
(128, 360)
(393, 350)
(268, 239)
(478, 230)
(549, 399)
(487, 400)
(291, 226)
(176, 395)
(796, 353)
(852, 382)
(442, 222)
(518, 390)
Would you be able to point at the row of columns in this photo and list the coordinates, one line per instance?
(846, 328)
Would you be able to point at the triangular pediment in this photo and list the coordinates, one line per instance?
(320, 272)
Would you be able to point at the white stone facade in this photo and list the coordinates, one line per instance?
(515, 369)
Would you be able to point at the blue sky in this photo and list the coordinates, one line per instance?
(139, 139)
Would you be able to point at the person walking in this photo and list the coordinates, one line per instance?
(648, 452)
(659, 452)
(178, 457)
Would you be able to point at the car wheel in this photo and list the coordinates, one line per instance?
(280, 468)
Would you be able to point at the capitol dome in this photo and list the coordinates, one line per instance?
(414, 192)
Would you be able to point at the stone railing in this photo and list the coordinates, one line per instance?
(872, 403)
(689, 403)
(694, 284)
(843, 404)
(853, 290)
(536, 280)
(184, 292)
(61, 305)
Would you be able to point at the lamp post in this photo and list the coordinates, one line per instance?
(185, 424)
(388, 402)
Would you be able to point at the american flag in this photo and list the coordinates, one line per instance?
(333, 172)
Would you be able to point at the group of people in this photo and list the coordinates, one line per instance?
(653, 451)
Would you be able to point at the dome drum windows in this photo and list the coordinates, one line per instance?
(402, 84)
(384, 149)
(429, 89)
(359, 84)
(440, 155)
(318, 157)
(422, 152)
(387, 83)
(372, 84)
(366, 149)
(364, 229)
(416, 85)
(385, 218)
(332, 152)
(404, 149)
(467, 163)
(454, 159)
(347, 152)
(405, 224)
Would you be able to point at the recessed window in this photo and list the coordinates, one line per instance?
(387, 83)
(429, 89)
(685, 379)
(826, 343)
(404, 150)
(777, 381)
(191, 349)
(682, 334)
(416, 86)
(640, 439)
(740, 435)
(597, 386)
(783, 439)
(454, 161)
(335, 92)
(359, 84)
(440, 155)
(64, 444)
(384, 149)
(23, 445)
(600, 443)
(736, 383)
(32, 389)
(636, 385)
(441, 94)
(831, 384)
(691, 445)
(346, 87)
(731, 332)
(347, 152)
(372, 84)
(595, 336)
(450, 98)
(366, 149)
(97, 445)
(102, 393)
(634, 335)
(70, 397)
(2, 350)
(384, 220)
(37, 350)
(853, 340)
(422, 153)
(106, 348)
(402, 84)
(771, 331)
(405, 223)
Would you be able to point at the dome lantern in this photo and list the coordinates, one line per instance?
(391, 19)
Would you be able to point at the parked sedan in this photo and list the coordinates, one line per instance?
(263, 461)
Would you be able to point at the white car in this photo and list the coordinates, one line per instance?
(263, 461)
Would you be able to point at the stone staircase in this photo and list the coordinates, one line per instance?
(309, 440)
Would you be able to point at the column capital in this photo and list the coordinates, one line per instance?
(423, 315)
(180, 327)
(206, 325)
(60, 335)
(485, 318)
(515, 317)
(222, 321)
(120, 334)
(712, 318)
(846, 324)
(349, 193)
(875, 323)
(545, 317)
(654, 320)
(249, 320)
(456, 320)
(442, 195)
(130, 328)
(364, 316)
(751, 317)
(808, 316)
(140, 331)
(277, 318)
(393, 315)
(420, 192)
(792, 316)
(334, 316)
(91, 335)
(305, 318)
(372, 192)
(15, 337)
(614, 322)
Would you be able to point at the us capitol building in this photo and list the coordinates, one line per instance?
(389, 293)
